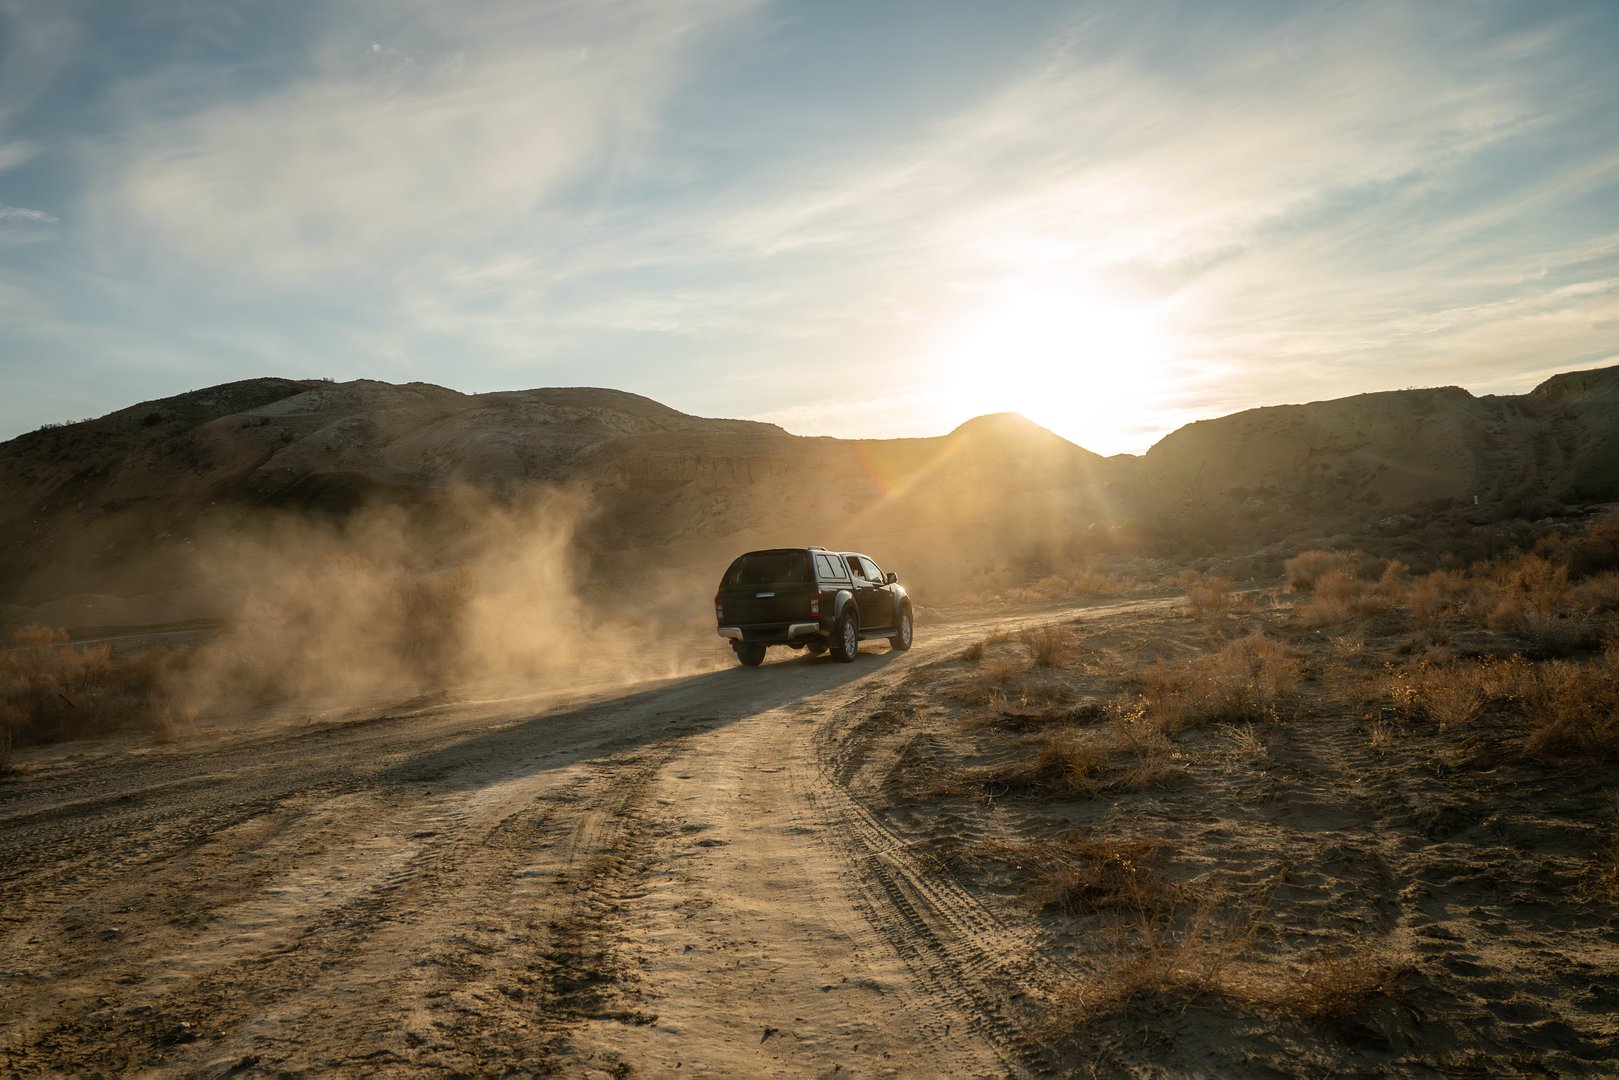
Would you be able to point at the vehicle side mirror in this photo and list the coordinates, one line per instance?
(893, 578)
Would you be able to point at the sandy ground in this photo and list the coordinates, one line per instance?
(668, 881)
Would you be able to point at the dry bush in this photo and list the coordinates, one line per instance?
(1246, 680)
(1137, 735)
(1533, 596)
(51, 690)
(1064, 762)
(1246, 742)
(1048, 645)
(1167, 962)
(1001, 670)
(1335, 989)
(1130, 753)
(1340, 595)
(1431, 599)
(1082, 874)
(1456, 695)
(1334, 597)
(1306, 568)
(1598, 593)
(1594, 551)
(1209, 596)
(1575, 711)
(974, 652)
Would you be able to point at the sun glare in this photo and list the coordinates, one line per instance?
(1082, 366)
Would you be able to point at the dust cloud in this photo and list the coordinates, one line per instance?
(469, 593)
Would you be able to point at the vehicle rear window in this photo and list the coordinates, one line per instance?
(769, 568)
(829, 567)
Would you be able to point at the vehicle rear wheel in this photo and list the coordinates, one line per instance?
(845, 636)
(751, 655)
(815, 648)
(902, 636)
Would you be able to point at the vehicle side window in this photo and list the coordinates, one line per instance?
(828, 567)
(871, 569)
(854, 567)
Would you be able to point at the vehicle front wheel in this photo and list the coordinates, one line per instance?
(845, 637)
(751, 655)
(902, 636)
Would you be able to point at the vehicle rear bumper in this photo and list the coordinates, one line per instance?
(772, 633)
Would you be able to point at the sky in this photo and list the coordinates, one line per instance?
(848, 218)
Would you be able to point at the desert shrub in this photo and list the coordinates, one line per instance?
(1598, 593)
(1199, 955)
(1532, 590)
(1593, 551)
(1343, 593)
(1048, 645)
(1246, 680)
(1457, 694)
(1208, 596)
(1306, 568)
(1335, 989)
(1575, 710)
(1432, 598)
(974, 652)
(1000, 670)
(1067, 761)
(52, 690)
(1334, 597)
(1083, 874)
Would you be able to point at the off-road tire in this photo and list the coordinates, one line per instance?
(845, 637)
(751, 655)
(904, 632)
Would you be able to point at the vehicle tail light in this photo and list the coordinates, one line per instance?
(815, 603)
(719, 608)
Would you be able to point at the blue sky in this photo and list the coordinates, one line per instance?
(858, 219)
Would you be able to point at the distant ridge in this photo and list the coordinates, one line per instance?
(113, 505)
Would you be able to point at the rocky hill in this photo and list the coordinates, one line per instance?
(1332, 465)
(102, 520)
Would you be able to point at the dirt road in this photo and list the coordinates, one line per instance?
(666, 881)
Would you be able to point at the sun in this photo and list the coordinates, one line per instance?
(1084, 366)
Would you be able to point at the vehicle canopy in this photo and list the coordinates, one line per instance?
(778, 566)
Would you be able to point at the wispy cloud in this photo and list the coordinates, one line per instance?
(482, 116)
(20, 225)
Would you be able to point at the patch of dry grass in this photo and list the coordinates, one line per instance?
(1084, 874)
(1574, 712)
(1341, 595)
(1306, 568)
(1337, 988)
(1049, 645)
(1163, 961)
(1208, 596)
(1128, 753)
(1067, 761)
(52, 690)
(1249, 678)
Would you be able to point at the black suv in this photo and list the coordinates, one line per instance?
(810, 598)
